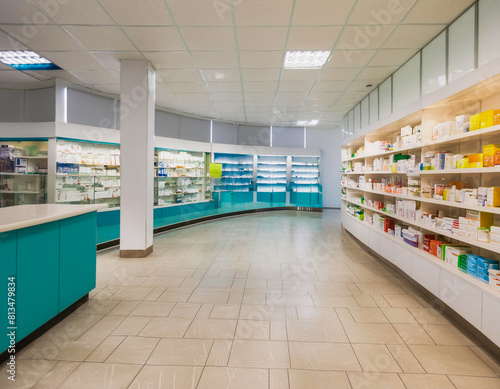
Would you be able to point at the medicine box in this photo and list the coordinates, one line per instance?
(451, 253)
(493, 197)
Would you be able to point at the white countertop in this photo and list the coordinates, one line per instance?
(21, 216)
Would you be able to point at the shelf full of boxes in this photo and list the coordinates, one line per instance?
(180, 177)
(424, 193)
(237, 173)
(87, 173)
(23, 172)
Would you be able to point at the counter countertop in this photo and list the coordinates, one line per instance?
(21, 216)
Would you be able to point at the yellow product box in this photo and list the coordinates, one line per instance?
(480, 219)
(475, 160)
(475, 122)
(496, 119)
(463, 163)
(493, 197)
(487, 118)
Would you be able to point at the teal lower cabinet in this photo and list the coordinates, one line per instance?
(37, 276)
(77, 264)
(54, 264)
(8, 259)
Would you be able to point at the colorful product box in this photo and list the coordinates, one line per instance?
(435, 247)
(452, 253)
(493, 197)
(475, 122)
(427, 241)
(487, 118)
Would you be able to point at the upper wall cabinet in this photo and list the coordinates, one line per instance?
(406, 84)
(461, 45)
(434, 64)
(489, 30)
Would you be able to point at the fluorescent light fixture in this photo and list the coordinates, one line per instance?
(306, 59)
(307, 122)
(26, 60)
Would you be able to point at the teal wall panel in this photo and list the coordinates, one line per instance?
(8, 268)
(77, 267)
(37, 276)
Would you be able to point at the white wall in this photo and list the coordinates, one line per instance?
(330, 143)
(30, 105)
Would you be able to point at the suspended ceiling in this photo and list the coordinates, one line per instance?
(223, 59)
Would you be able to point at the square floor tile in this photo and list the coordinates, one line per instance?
(230, 377)
(211, 329)
(167, 377)
(101, 376)
(376, 357)
(259, 354)
(133, 350)
(426, 381)
(402, 301)
(457, 360)
(368, 315)
(375, 381)
(447, 335)
(323, 356)
(462, 382)
(300, 379)
(181, 352)
(169, 327)
(372, 333)
(253, 329)
(413, 334)
(316, 331)
(153, 308)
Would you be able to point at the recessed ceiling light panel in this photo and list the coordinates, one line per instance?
(26, 60)
(306, 59)
(307, 122)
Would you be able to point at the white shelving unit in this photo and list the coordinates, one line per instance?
(470, 297)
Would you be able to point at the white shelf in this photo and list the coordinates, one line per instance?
(20, 191)
(479, 170)
(472, 242)
(23, 174)
(472, 280)
(453, 139)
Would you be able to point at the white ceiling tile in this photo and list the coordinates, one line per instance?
(63, 75)
(221, 74)
(261, 38)
(163, 89)
(215, 59)
(300, 74)
(112, 59)
(171, 60)
(339, 73)
(188, 87)
(413, 36)
(261, 98)
(260, 86)
(353, 97)
(73, 60)
(261, 74)
(379, 12)
(324, 97)
(364, 37)
(42, 38)
(313, 38)
(263, 13)
(332, 86)
(155, 38)
(97, 76)
(290, 96)
(100, 38)
(314, 109)
(79, 12)
(180, 75)
(230, 104)
(307, 116)
(296, 86)
(340, 108)
(21, 12)
(348, 58)
(194, 96)
(320, 12)
(377, 73)
(201, 13)
(13, 76)
(9, 43)
(227, 96)
(227, 86)
(208, 38)
(261, 59)
(442, 11)
(392, 57)
(137, 13)
(361, 85)
(250, 109)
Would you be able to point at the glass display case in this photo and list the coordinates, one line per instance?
(23, 172)
(305, 185)
(237, 182)
(87, 173)
(271, 178)
(181, 177)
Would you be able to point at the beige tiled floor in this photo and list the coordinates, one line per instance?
(279, 300)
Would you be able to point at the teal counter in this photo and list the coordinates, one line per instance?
(49, 252)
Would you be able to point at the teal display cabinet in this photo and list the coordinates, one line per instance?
(53, 264)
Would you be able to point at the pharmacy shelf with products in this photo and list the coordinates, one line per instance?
(271, 178)
(180, 177)
(305, 184)
(23, 172)
(87, 173)
(432, 188)
(237, 176)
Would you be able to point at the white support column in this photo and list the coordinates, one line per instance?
(137, 113)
